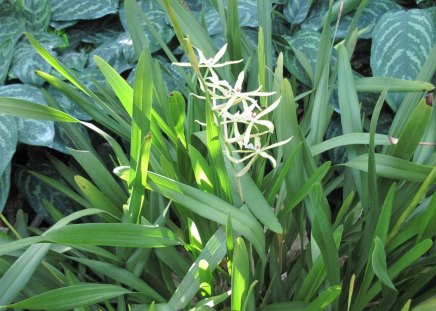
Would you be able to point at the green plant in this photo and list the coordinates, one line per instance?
(181, 229)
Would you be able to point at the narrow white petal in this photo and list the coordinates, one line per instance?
(220, 54)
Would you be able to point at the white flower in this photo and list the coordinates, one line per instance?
(254, 151)
(212, 62)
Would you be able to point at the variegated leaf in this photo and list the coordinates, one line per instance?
(113, 52)
(68, 105)
(25, 61)
(426, 3)
(50, 40)
(62, 141)
(212, 19)
(248, 14)
(432, 13)
(314, 20)
(31, 132)
(36, 192)
(67, 10)
(36, 13)
(402, 41)
(8, 140)
(11, 28)
(59, 25)
(5, 182)
(6, 52)
(194, 5)
(88, 75)
(307, 42)
(74, 60)
(156, 15)
(10, 31)
(371, 14)
(295, 11)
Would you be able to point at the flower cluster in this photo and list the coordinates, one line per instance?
(236, 110)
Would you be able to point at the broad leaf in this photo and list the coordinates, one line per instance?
(68, 105)
(36, 191)
(295, 11)
(32, 132)
(36, 13)
(113, 52)
(67, 10)
(402, 41)
(25, 61)
(371, 14)
(156, 16)
(305, 42)
(10, 32)
(8, 140)
(5, 182)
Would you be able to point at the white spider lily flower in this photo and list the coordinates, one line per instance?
(235, 94)
(254, 151)
(255, 119)
(209, 63)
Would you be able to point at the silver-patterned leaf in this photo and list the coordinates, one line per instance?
(6, 52)
(295, 11)
(88, 75)
(59, 25)
(74, 60)
(248, 14)
(5, 183)
(8, 140)
(67, 10)
(314, 20)
(371, 14)
(62, 141)
(114, 53)
(402, 41)
(156, 15)
(68, 105)
(50, 40)
(307, 42)
(36, 192)
(212, 19)
(11, 28)
(31, 132)
(36, 13)
(10, 31)
(25, 61)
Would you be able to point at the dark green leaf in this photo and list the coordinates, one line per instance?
(156, 16)
(379, 264)
(8, 140)
(295, 11)
(65, 10)
(25, 61)
(36, 13)
(36, 192)
(5, 182)
(32, 132)
(393, 55)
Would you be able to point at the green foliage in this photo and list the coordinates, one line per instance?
(147, 210)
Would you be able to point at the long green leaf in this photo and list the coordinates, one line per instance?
(22, 108)
(116, 234)
(240, 274)
(211, 207)
(391, 167)
(71, 297)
